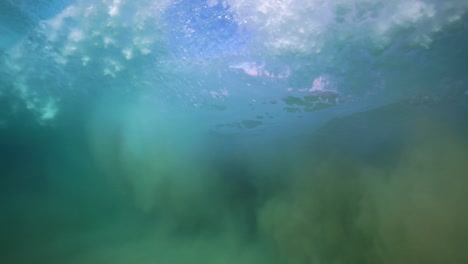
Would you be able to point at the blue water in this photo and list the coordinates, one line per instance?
(236, 131)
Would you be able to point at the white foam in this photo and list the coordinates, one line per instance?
(75, 35)
(305, 26)
(49, 110)
(211, 3)
(114, 9)
(118, 34)
(85, 60)
(128, 53)
(46, 109)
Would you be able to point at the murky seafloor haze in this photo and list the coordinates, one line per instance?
(235, 131)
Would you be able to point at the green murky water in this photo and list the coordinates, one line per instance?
(289, 132)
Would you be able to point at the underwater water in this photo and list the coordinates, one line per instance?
(233, 131)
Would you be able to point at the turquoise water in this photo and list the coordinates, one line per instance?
(236, 131)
